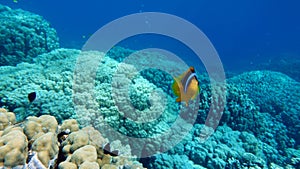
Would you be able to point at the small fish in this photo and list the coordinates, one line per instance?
(186, 86)
(107, 150)
(31, 96)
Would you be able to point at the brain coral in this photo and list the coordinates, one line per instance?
(23, 36)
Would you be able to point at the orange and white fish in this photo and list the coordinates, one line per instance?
(186, 86)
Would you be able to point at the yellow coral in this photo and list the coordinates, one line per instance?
(70, 125)
(109, 166)
(46, 147)
(89, 165)
(95, 137)
(37, 126)
(67, 165)
(106, 159)
(84, 149)
(13, 148)
(86, 153)
(76, 140)
(6, 118)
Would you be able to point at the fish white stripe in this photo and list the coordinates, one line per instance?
(189, 81)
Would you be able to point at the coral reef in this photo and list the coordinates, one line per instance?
(166, 161)
(243, 113)
(226, 148)
(50, 76)
(24, 35)
(84, 148)
(274, 93)
(259, 127)
(45, 149)
(95, 111)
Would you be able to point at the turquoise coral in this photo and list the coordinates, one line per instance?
(24, 35)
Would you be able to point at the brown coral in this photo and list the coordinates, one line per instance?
(6, 118)
(86, 153)
(69, 125)
(37, 126)
(81, 148)
(46, 147)
(86, 136)
(67, 165)
(13, 148)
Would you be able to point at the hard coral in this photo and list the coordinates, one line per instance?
(37, 126)
(24, 35)
(83, 154)
(89, 165)
(69, 125)
(6, 118)
(84, 148)
(50, 76)
(275, 94)
(46, 147)
(74, 141)
(67, 165)
(13, 148)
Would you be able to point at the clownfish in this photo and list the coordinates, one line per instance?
(186, 86)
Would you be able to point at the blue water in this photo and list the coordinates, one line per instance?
(244, 32)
